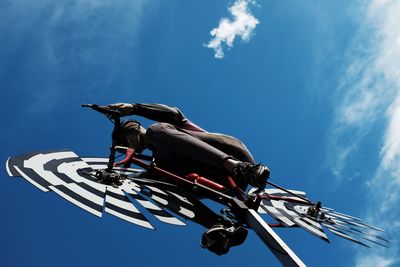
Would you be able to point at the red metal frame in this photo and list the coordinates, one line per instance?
(193, 179)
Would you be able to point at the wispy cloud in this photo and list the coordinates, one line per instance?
(241, 26)
(369, 97)
(65, 47)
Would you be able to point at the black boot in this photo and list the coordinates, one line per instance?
(220, 238)
(255, 174)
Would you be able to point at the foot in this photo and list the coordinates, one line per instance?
(255, 174)
(220, 238)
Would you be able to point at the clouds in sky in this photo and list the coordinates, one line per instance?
(241, 26)
(63, 47)
(369, 97)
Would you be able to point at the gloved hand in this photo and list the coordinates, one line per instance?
(125, 108)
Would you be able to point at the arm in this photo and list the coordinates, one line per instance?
(160, 113)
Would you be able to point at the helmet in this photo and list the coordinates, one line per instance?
(131, 125)
(131, 135)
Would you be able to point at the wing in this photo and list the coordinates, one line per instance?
(290, 211)
(66, 174)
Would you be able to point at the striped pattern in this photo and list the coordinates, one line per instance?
(170, 197)
(138, 199)
(290, 213)
(65, 174)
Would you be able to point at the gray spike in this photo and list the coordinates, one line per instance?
(345, 236)
(370, 234)
(344, 216)
(359, 233)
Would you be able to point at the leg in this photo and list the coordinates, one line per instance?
(228, 144)
(166, 141)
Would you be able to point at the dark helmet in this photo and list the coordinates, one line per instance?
(131, 137)
(131, 125)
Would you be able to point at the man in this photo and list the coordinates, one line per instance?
(182, 147)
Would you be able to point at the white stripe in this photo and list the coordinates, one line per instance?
(129, 219)
(95, 159)
(279, 191)
(170, 220)
(7, 168)
(276, 214)
(186, 212)
(70, 169)
(309, 228)
(280, 205)
(317, 225)
(130, 187)
(86, 194)
(184, 199)
(122, 204)
(74, 201)
(158, 199)
(117, 191)
(130, 170)
(155, 189)
(148, 205)
(30, 180)
(38, 161)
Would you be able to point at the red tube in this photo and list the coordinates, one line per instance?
(194, 177)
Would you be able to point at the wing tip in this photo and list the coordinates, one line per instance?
(8, 167)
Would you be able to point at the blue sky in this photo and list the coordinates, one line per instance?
(314, 92)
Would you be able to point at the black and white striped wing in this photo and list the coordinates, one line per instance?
(66, 174)
(290, 211)
(290, 215)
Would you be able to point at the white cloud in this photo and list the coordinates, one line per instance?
(242, 26)
(375, 261)
(369, 97)
(391, 147)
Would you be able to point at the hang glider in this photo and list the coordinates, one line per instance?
(100, 185)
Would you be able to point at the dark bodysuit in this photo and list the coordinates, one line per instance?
(181, 146)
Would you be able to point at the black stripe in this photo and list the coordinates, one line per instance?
(274, 214)
(83, 173)
(53, 164)
(64, 177)
(117, 196)
(92, 189)
(19, 162)
(311, 225)
(35, 177)
(80, 198)
(128, 213)
(96, 163)
(159, 212)
(137, 196)
(285, 214)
